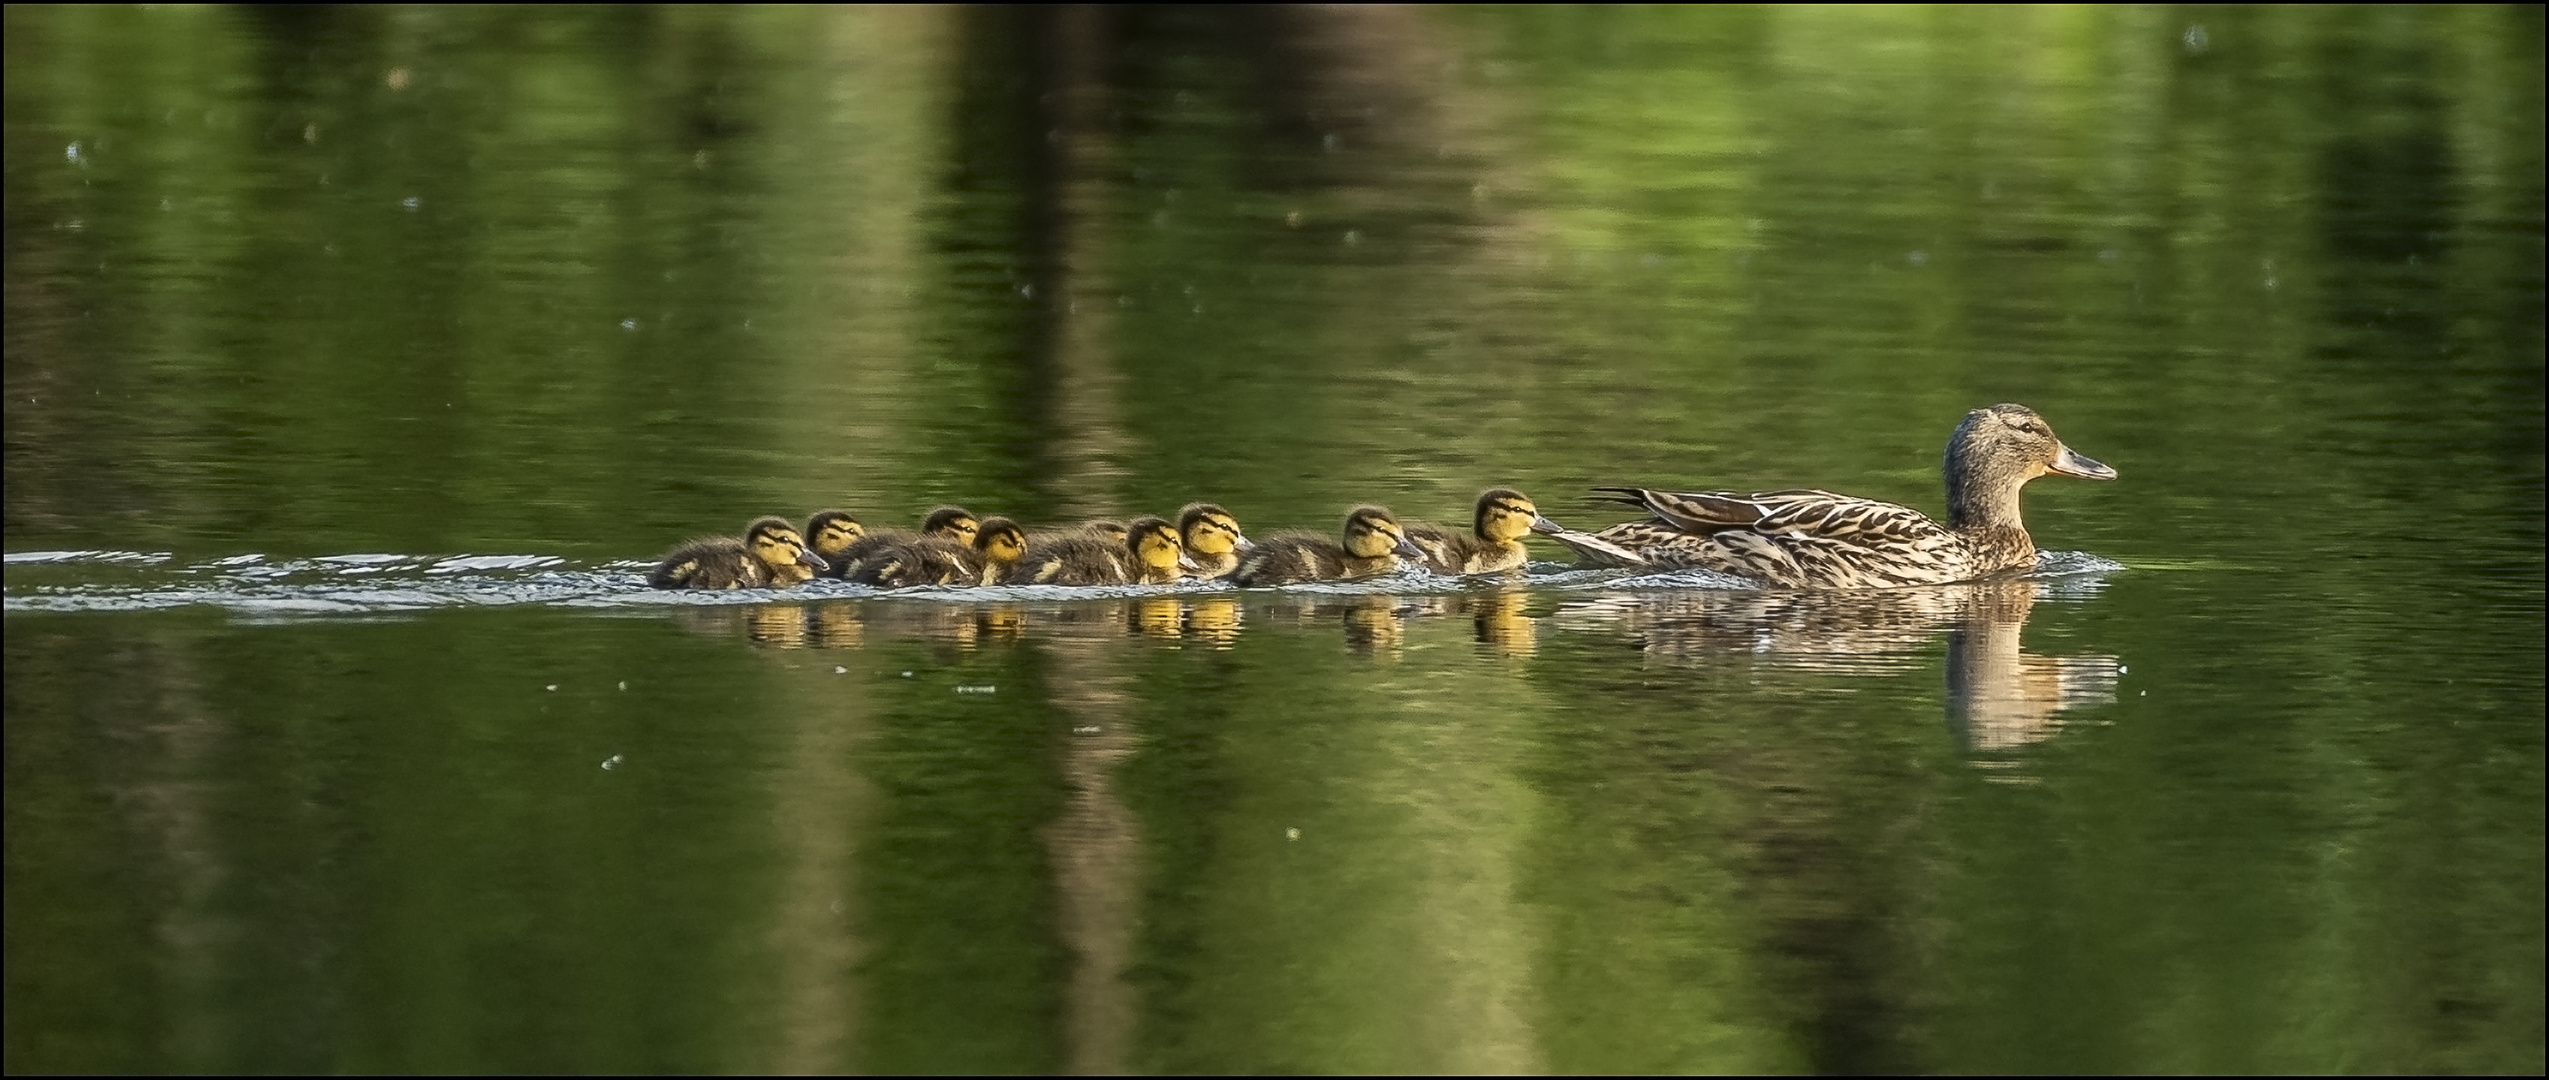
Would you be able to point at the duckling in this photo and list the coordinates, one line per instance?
(952, 523)
(1374, 542)
(1212, 539)
(938, 560)
(829, 533)
(771, 553)
(1504, 516)
(1151, 554)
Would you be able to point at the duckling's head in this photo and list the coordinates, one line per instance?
(831, 532)
(1372, 532)
(952, 523)
(1001, 540)
(779, 547)
(1995, 451)
(1155, 546)
(1505, 514)
(1210, 530)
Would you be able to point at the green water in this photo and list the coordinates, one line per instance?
(2249, 780)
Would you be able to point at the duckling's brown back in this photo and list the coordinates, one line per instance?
(1289, 557)
(925, 560)
(718, 562)
(1074, 559)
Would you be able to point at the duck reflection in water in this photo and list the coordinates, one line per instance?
(1999, 697)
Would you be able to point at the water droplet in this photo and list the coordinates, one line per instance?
(411, 202)
(71, 153)
(628, 324)
(612, 762)
(2196, 39)
(839, 670)
(623, 684)
(553, 688)
(1292, 834)
(907, 674)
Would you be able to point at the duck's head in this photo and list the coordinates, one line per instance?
(1001, 540)
(1372, 532)
(1155, 546)
(1505, 514)
(1995, 451)
(952, 523)
(831, 532)
(780, 547)
(1210, 530)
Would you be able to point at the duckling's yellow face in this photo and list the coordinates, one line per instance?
(1213, 532)
(779, 547)
(1156, 546)
(1505, 514)
(955, 525)
(1001, 541)
(1371, 533)
(834, 533)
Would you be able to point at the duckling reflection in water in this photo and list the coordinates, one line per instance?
(998, 543)
(1374, 543)
(1159, 617)
(1215, 620)
(1816, 539)
(1151, 554)
(829, 534)
(771, 554)
(1493, 545)
(1212, 539)
(954, 524)
(1502, 625)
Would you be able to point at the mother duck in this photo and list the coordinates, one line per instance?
(1816, 539)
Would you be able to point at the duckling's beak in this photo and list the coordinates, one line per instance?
(811, 560)
(1187, 563)
(1408, 548)
(1245, 545)
(1544, 525)
(2070, 463)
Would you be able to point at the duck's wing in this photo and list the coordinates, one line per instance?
(1605, 549)
(1799, 513)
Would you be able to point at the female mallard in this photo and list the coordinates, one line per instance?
(1374, 541)
(829, 533)
(954, 524)
(938, 560)
(1150, 554)
(1817, 539)
(1494, 544)
(1212, 539)
(770, 554)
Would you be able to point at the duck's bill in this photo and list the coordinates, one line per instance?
(1544, 525)
(1409, 549)
(813, 561)
(1245, 545)
(1188, 564)
(2071, 463)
